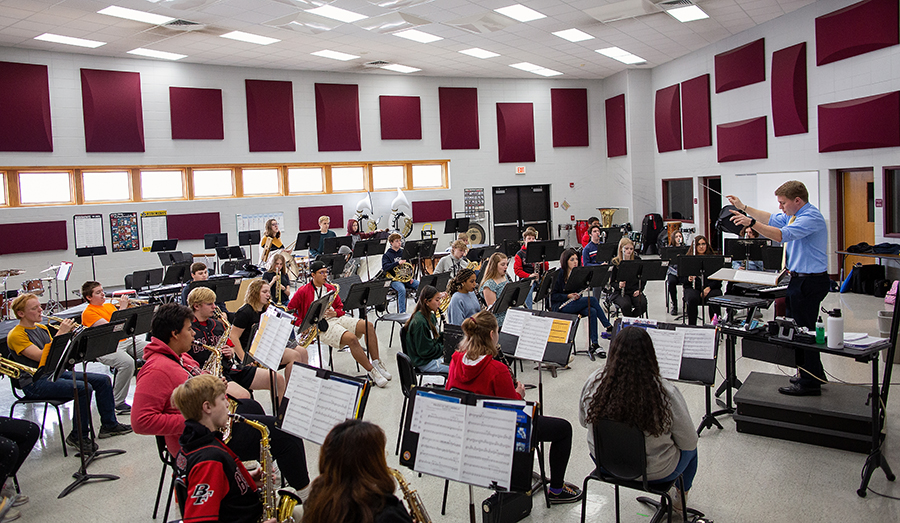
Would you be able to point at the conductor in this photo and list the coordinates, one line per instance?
(802, 229)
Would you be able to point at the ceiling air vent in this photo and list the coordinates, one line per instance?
(375, 64)
(184, 25)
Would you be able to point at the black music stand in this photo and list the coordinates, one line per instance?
(611, 235)
(419, 250)
(543, 291)
(307, 240)
(215, 239)
(672, 253)
(315, 315)
(164, 245)
(332, 245)
(745, 249)
(371, 247)
(439, 281)
(772, 257)
(249, 238)
(456, 225)
(605, 253)
(543, 251)
(334, 262)
(91, 251)
(177, 273)
(137, 321)
(510, 247)
(592, 276)
(702, 267)
(514, 294)
(481, 254)
(140, 280)
(89, 344)
(643, 271)
(372, 293)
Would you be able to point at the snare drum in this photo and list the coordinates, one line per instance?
(35, 287)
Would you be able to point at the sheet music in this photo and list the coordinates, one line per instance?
(489, 443)
(270, 341)
(441, 433)
(698, 343)
(533, 339)
(559, 331)
(668, 346)
(302, 389)
(335, 403)
(514, 322)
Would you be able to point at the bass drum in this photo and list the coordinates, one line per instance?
(476, 234)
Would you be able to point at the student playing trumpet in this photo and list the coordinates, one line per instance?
(279, 284)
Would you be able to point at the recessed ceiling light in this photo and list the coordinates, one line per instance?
(150, 53)
(68, 40)
(477, 52)
(249, 37)
(573, 35)
(526, 66)
(334, 55)
(137, 16)
(621, 55)
(546, 72)
(418, 36)
(400, 68)
(688, 14)
(520, 12)
(336, 13)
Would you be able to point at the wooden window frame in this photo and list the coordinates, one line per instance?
(665, 199)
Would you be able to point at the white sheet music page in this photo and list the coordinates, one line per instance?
(441, 427)
(668, 346)
(488, 446)
(336, 403)
(303, 392)
(533, 339)
(514, 322)
(699, 344)
(270, 341)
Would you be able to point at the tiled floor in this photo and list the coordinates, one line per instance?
(741, 477)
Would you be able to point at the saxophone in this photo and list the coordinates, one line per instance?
(413, 501)
(276, 504)
(306, 337)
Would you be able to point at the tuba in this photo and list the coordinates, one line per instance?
(606, 216)
(413, 501)
(401, 223)
(279, 505)
(306, 337)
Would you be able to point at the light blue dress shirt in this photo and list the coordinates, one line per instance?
(805, 240)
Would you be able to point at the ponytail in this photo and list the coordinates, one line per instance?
(477, 331)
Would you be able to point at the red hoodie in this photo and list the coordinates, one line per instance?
(488, 377)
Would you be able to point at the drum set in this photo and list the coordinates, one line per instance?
(34, 286)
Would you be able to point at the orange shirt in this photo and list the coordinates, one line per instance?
(93, 313)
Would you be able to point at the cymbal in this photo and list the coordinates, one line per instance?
(11, 272)
(50, 268)
(50, 278)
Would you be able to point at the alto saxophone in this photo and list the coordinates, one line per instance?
(413, 501)
(276, 504)
(306, 337)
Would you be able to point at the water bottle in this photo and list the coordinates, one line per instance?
(820, 331)
(835, 329)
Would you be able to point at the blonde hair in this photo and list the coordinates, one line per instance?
(18, 304)
(622, 243)
(324, 218)
(201, 295)
(477, 341)
(493, 268)
(252, 297)
(460, 245)
(190, 396)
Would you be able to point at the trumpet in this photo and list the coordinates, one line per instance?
(13, 369)
(78, 327)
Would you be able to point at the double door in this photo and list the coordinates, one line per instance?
(518, 207)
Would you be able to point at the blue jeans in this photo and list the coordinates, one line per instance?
(590, 307)
(401, 293)
(62, 388)
(529, 301)
(687, 467)
(436, 365)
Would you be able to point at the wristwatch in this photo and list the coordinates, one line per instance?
(752, 222)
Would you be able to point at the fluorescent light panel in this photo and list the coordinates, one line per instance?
(150, 53)
(520, 12)
(400, 68)
(250, 38)
(335, 55)
(336, 13)
(418, 36)
(137, 16)
(688, 14)
(68, 40)
(621, 55)
(573, 35)
(546, 72)
(477, 52)
(526, 66)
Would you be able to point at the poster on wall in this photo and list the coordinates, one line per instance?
(123, 229)
(153, 227)
(88, 230)
(257, 222)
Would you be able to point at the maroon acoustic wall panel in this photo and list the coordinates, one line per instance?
(742, 66)
(857, 29)
(459, 117)
(616, 142)
(743, 140)
(569, 108)
(695, 114)
(192, 226)
(196, 114)
(863, 123)
(25, 108)
(270, 115)
(111, 102)
(52, 237)
(337, 117)
(401, 117)
(515, 132)
(309, 217)
(432, 211)
(668, 119)
(789, 97)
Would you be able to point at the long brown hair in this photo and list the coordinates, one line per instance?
(270, 230)
(426, 293)
(493, 268)
(692, 250)
(353, 475)
(477, 339)
(253, 291)
(630, 387)
(564, 262)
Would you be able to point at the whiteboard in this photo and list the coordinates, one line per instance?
(257, 222)
(766, 183)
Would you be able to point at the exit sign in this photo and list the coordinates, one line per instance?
(520, 169)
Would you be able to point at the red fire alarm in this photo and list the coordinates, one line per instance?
(571, 185)
(695, 201)
(556, 205)
(572, 217)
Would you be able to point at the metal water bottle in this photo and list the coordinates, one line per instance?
(835, 325)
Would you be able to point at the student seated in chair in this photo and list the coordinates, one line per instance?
(628, 295)
(423, 341)
(695, 293)
(574, 303)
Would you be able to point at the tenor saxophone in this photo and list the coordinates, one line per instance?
(413, 501)
(276, 504)
(306, 337)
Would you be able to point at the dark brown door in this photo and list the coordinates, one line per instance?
(858, 215)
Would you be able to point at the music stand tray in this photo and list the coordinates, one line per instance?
(332, 245)
(745, 248)
(249, 238)
(514, 294)
(439, 281)
(371, 247)
(672, 253)
(334, 262)
(455, 225)
(307, 239)
(137, 319)
(367, 294)
(593, 276)
(543, 251)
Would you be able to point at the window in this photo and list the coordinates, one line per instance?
(46, 187)
(347, 179)
(260, 181)
(159, 185)
(2, 188)
(213, 182)
(305, 179)
(106, 186)
(427, 176)
(678, 199)
(891, 198)
(388, 177)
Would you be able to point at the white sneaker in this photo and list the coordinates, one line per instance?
(383, 371)
(377, 377)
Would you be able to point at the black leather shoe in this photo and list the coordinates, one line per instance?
(797, 390)
(795, 379)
